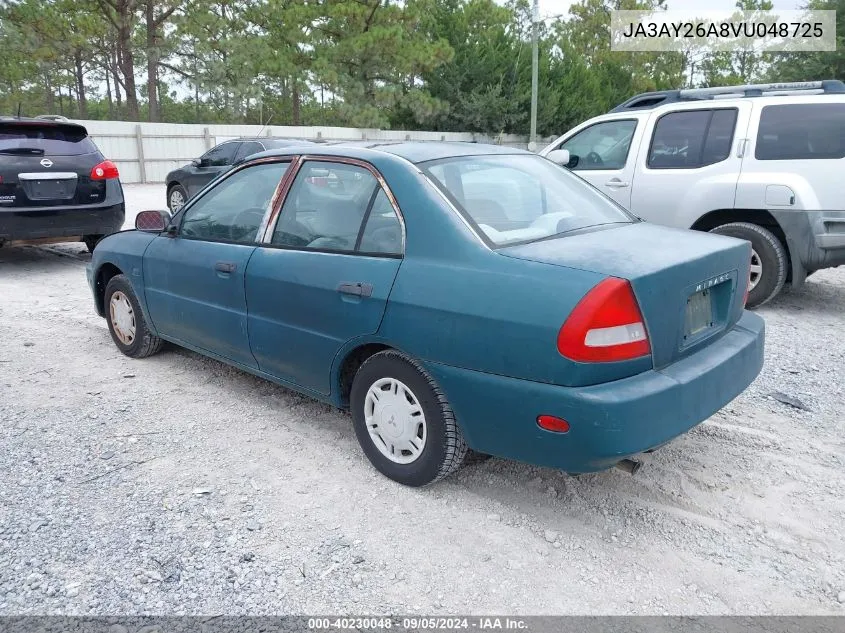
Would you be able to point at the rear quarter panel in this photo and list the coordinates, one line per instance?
(499, 316)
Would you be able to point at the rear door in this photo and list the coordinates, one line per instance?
(325, 276)
(689, 162)
(601, 153)
(194, 281)
(45, 163)
(214, 162)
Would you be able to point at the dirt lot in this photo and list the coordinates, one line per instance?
(179, 485)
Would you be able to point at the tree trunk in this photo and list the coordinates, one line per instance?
(50, 98)
(80, 85)
(113, 67)
(295, 105)
(152, 61)
(108, 95)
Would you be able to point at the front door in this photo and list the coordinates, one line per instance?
(214, 162)
(325, 277)
(194, 280)
(602, 155)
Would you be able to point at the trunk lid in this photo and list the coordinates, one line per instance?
(690, 285)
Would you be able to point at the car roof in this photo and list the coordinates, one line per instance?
(413, 151)
(272, 139)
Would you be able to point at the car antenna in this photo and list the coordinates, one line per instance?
(264, 127)
(19, 109)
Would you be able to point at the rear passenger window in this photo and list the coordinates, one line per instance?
(691, 139)
(801, 132)
(338, 207)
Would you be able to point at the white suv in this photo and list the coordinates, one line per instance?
(765, 163)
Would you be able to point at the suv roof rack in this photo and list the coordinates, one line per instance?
(648, 100)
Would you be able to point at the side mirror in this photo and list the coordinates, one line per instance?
(559, 156)
(195, 162)
(203, 162)
(152, 221)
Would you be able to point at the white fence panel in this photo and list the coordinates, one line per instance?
(147, 152)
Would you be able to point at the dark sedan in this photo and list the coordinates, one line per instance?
(185, 182)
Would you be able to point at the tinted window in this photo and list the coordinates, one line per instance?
(326, 207)
(695, 138)
(248, 148)
(232, 211)
(522, 198)
(223, 154)
(44, 139)
(800, 132)
(600, 146)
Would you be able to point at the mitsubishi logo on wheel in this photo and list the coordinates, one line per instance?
(46, 162)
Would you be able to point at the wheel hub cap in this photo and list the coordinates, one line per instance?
(395, 420)
(756, 270)
(122, 317)
(176, 200)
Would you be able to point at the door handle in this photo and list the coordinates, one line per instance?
(616, 183)
(225, 267)
(357, 288)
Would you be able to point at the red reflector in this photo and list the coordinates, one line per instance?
(551, 423)
(104, 171)
(605, 326)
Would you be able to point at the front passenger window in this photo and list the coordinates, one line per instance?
(232, 210)
(601, 146)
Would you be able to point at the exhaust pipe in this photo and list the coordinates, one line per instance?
(630, 466)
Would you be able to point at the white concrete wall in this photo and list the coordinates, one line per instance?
(166, 146)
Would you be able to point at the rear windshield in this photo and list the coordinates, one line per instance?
(44, 139)
(522, 198)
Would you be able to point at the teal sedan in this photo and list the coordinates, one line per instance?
(458, 299)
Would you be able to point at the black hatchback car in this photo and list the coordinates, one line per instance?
(185, 182)
(55, 185)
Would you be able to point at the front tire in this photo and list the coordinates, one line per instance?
(176, 198)
(403, 421)
(768, 260)
(126, 322)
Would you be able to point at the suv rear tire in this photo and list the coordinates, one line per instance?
(768, 252)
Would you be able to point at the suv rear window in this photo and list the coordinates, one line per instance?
(801, 132)
(44, 139)
(689, 139)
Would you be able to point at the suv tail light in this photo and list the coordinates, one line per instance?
(605, 326)
(104, 171)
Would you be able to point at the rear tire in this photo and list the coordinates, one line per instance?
(769, 260)
(396, 405)
(126, 322)
(91, 241)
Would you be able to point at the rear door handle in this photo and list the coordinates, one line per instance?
(225, 267)
(356, 288)
(616, 183)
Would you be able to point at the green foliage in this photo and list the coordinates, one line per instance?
(448, 65)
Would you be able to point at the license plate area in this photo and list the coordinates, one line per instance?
(50, 189)
(698, 317)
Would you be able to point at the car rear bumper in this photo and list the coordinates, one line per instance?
(609, 421)
(44, 223)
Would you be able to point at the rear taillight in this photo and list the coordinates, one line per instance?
(104, 171)
(605, 326)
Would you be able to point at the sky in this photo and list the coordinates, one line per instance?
(549, 8)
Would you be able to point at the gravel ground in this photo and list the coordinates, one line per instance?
(177, 485)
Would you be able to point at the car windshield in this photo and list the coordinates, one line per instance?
(521, 198)
(44, 138)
